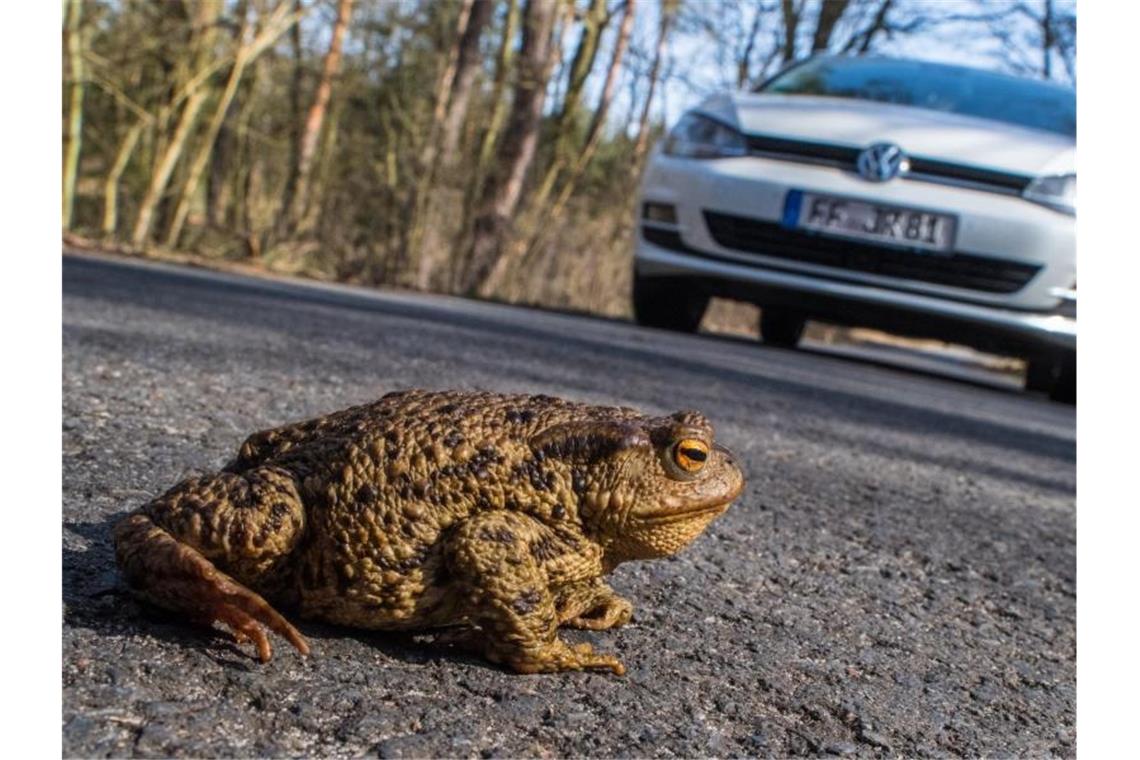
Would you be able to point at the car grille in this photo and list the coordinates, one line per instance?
(957, 270)
(921, 169)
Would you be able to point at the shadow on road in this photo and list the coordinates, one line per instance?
(95, 598)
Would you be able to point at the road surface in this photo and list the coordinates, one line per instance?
(898, 577)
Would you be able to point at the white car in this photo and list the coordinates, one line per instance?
(915, 197)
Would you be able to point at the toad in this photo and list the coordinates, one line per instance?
(497, 516)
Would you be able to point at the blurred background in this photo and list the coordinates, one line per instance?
(478, 147)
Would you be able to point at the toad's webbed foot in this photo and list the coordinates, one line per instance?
(593, 606)
(555, 657)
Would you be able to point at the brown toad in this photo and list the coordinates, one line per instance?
(497, 514)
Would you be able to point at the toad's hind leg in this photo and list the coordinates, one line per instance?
(193, 549)
(502, 588)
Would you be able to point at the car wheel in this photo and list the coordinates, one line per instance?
(1065, 386)
(1040, 375)
(779, 327)
(669, 303)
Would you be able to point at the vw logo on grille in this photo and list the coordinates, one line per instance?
(881, 162)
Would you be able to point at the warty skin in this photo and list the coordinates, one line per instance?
(497, 516)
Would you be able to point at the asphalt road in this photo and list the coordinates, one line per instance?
(898, 577)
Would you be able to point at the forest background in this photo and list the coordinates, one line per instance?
(480, 147)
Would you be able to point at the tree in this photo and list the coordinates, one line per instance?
(601, 111)
(298, 201)
(466, 68)
(73, 135)
(744, 58)
(1055, 30)
(246, 52)
(504, 64)
(641, 144)
(201, 38)
(597, 17)
(500, 195)
(830, 11)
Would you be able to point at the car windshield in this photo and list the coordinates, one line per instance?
(936, 86)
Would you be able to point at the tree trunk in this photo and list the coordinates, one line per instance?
(316, 116)
(165, 168)
(73, 136)
(668, 13)
(111, 184)
(412, 266)
(594, 133)
(580, 68)
(296, 131)
(274, 27)
(583, 63)
(320, 183)
(194, 95)
(245, 184)
(504, 63)
(501, 194)
(829, 14)
(744, 63)
(1047, 40)
(791, 12)
(430, 147)
(467, 66)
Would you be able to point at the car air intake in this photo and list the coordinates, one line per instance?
(956, 270)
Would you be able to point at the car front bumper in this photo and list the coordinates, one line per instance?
(1031, 319)
(983, 326)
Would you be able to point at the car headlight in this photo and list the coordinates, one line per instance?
(1058, 191)
(699, 136)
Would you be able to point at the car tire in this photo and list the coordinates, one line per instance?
(1054, 376)
(1064, 387)
(669, 303)
(1040, 375)
(780, 327)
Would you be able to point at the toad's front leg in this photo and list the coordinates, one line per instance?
(503, 589)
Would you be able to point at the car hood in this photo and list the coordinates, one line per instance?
(918, 131)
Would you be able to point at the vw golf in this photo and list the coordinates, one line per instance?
(920, 198)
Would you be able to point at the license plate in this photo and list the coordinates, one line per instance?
(847, 217)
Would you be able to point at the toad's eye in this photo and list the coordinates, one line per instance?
(690, 454)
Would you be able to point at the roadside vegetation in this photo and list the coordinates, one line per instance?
(479, 147)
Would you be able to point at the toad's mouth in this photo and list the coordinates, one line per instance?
(689, 512)
(676, 509)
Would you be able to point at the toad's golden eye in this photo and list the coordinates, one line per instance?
(690, 454)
